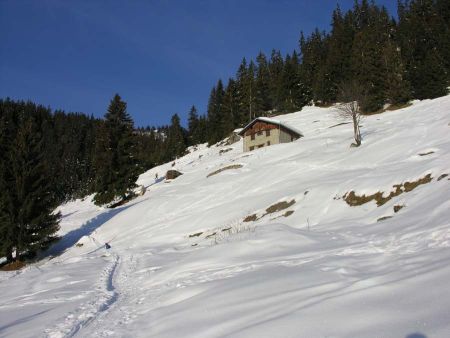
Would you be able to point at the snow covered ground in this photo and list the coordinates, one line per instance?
(184, 264)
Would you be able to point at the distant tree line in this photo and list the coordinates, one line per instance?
(49, 157)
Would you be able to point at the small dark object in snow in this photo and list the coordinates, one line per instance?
(172, 174)
(197, 234)
(107, 246)
(442, 176)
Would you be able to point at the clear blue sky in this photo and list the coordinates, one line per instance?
(161, 56)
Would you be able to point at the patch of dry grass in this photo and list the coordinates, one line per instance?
(251, 218)
(279, 206)
(233, 166)
(197, 234)
(379, 197)
(17, 265)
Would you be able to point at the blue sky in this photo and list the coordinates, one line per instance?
(161, 56)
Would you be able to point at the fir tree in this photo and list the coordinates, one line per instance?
(215, 111)
(276, 66)
(176, 143)
(194, 127)
(424, 45)
(368, 69)
(115, 164)
(263, 102)
(230, 107)
(397, 87)
(294, 91)
(32, 223)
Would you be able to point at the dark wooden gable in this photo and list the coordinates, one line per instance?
(259, 126)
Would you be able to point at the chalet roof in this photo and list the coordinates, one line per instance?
(271, 121)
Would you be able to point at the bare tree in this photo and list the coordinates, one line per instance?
(351, 97)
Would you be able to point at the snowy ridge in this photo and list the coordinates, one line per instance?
(267, 248)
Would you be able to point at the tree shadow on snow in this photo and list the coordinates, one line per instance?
(158, 180)
(416, 335)
(72, 237)
(21, 321)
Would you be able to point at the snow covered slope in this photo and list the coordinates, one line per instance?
(183, 262)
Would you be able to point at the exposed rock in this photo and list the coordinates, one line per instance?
(172, 174)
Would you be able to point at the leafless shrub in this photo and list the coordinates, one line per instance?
(233, 229)
(352, 96)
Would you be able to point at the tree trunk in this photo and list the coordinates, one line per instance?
(356, 131)
(9, 255)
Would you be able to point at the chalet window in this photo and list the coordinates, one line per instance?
(261, 145)
(253, 136)
(292, 138)
(268, 143)
(252, 148)
(268, 132)
(259, 133)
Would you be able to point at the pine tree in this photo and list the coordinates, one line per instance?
(115, 164)
(336, 69)
(245, 79)
(398, 90)
(193, 127)
(263, 102)
(276, 66)
(7, 130)
(313, 57)
(422, 40)
(176, 143)
(373, 26)
(215, 130)
(295, 93)
(30, 209)
(230, 107)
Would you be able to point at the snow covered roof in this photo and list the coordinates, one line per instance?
(271, 121)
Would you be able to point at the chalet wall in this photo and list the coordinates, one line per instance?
(261, 140)
(263, 134)
(286, 137)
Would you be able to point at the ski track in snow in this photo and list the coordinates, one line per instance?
(105, 296)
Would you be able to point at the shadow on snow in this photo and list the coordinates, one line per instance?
(72, 237)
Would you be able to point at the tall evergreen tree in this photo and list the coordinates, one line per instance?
(398, 90)
(373, 26)
(276, 66)
(27, 215)
(263, 102)
(313, 56)
(294, 90)
(193, 127)
(115, 164)
(422, 40)
(337, 67)
(246, 91)
(215, 111)
(230, 107)
(176, 142)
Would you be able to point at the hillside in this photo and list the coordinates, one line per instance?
(183, 262)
